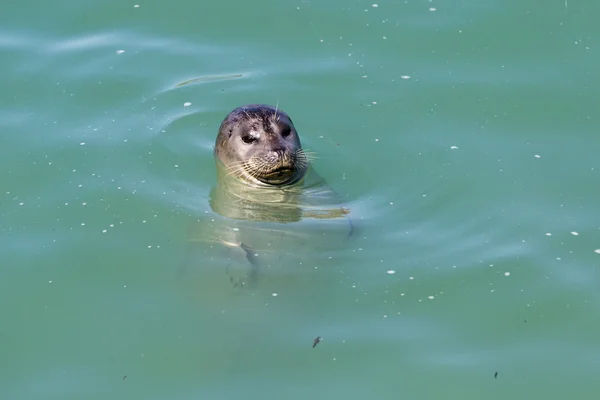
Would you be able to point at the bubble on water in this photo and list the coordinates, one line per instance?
(574, 233)
(453, 147)
(431, 297)
(432, 8)
(21, 204)
(391, 272)
(274, 295)
(374, 5)
(187, 104)
(405, 76)
(81, 144)
(411, 278)
(136, 6)
(507, 274)
(236, 229)
(120, 51)
(537, 156)
(548, 234)
(597, 251)
(104, 231)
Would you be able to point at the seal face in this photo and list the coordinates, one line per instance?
(260, 144)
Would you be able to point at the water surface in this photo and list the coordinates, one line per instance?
(462, 134)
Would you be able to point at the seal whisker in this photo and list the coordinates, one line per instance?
(303, 157)
(235, 171)
(235, 167)
(307, 153)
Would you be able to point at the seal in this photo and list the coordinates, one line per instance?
(260, 144)
(269, 204)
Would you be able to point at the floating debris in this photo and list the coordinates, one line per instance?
(317, 341)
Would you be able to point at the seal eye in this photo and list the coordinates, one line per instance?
(286, 131)
(248, 139)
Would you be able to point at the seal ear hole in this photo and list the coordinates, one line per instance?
(248, 139)
(230, 132)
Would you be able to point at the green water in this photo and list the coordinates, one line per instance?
(462, 134)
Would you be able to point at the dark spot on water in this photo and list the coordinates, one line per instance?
(316, 341)
(124, 377)
(525, 320)
(496, 375)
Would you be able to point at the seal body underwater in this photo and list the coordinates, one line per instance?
(269, 204)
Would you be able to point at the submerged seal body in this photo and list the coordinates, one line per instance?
(269, 203)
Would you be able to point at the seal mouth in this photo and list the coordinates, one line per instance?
(278, 175)
(283, 170)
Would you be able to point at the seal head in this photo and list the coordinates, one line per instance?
(260, 144)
